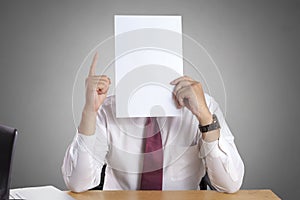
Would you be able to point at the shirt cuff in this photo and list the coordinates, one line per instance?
(85, 142)
(206, 147)
(215, 149)
(219, 149)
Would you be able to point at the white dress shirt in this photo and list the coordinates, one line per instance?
(118, 143)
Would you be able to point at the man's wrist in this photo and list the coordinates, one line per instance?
(211, 136)
(211, 130)
(205, 118)
(88, 122)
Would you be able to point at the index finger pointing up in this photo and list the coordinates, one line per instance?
(94, 64)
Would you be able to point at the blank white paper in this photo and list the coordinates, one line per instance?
(148, 56)
(38, 193)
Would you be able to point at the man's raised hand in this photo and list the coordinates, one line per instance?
(96, 87)
(95, 94)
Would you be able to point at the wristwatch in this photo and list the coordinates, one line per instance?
(210, 127)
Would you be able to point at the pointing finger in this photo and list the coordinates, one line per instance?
(94, 64)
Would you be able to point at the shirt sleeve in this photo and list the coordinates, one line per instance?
(85, 158)
(224, 165)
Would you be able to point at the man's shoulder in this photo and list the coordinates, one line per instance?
(208, 98)
(109, 100)
(108, 104)
(210, 101)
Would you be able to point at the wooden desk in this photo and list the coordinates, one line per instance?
(174, 195)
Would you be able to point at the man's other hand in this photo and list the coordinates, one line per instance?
(189, 93)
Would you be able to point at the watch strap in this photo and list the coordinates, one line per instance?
(210, 127)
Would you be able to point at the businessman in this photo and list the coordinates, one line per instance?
(162, 153)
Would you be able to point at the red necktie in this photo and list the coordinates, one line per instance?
(152, 175)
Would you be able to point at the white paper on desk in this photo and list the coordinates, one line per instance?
(38, 193)
(148, 56)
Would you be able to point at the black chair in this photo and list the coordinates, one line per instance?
(7, 141)
(203, 183)
(206, 182)
(100, 186)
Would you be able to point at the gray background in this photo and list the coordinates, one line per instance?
(255, 44)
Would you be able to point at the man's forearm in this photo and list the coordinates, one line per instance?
(88, 122)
